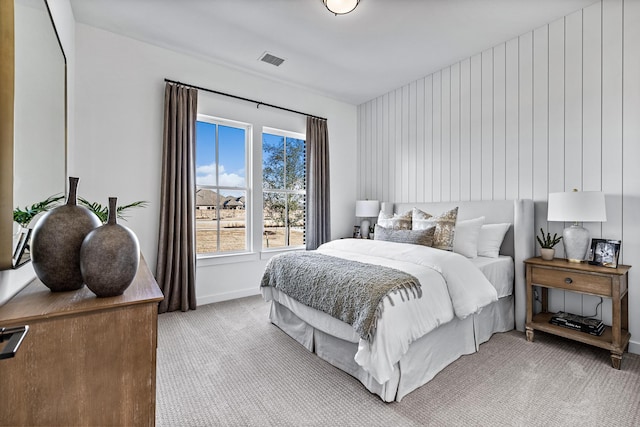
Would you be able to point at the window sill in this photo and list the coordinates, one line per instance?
(267, 254)
(264, 255)
(209, 260)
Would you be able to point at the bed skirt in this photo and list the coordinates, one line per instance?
(426, 356)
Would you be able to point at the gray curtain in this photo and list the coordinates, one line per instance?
(318, 212)
(176, 266)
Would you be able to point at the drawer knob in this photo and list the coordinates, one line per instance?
(568, 280)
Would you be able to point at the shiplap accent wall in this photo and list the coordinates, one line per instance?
(555, 109)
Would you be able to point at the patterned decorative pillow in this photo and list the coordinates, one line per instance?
(415, 237)
(395, 221)
(445, 226)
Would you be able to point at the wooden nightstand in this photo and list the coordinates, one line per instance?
(585, 279)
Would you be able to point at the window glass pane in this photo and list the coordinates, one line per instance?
(221, 159)
(295, 166)
(230, 218)
(284, 219)
(205, 153)
(231, 155)
(274, 205)
(272, 161)
(206, 221)
(296, 205)
(233, 221)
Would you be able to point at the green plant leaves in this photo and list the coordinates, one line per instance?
(102, 212)
(548, 241)
(24, 216)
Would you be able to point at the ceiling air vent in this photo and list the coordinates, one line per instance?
(271, 59)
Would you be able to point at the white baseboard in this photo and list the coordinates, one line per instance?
(634, 347)
(226, 296)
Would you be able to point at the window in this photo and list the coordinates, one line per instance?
(283, 188)
(222, 185)
(224, 218)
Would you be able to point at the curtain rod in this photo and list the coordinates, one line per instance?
(243, 99)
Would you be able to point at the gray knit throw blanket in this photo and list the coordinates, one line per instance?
(348, 290)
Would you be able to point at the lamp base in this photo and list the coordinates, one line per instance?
(364, 228)
(576, 242)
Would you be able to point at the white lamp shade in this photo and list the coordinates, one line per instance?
(577, 206)
(367, 208)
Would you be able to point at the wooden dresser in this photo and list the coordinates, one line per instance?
(85, 360)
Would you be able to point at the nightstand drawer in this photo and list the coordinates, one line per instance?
(572, 281)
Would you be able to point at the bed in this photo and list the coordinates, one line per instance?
(398, 360)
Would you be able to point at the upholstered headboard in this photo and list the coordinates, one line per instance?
(519, 242)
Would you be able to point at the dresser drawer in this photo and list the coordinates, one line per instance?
(572, 281)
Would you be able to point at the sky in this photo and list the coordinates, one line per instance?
(231, 151)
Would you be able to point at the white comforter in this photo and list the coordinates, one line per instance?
(451, 286)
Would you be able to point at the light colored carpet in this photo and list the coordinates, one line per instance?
(226, 365)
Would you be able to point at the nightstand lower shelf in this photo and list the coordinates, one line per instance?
(540, 322)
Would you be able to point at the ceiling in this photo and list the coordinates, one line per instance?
(381, 46)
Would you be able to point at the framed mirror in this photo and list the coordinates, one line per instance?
(33, 116)
(39, 151)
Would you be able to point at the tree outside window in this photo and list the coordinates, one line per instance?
(283, 183)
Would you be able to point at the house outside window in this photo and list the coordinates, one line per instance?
(283, 189)
(222, 185)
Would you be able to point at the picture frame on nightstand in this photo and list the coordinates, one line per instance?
(356, 232)
(604, 252)
(21, 251)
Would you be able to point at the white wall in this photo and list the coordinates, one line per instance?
(554, 109)
(118, 152)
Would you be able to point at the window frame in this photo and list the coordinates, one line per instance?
(248, 147)
(286, 134)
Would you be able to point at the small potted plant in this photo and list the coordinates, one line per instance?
(547, 243)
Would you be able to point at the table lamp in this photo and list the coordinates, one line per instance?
(576, 206)
(366, 209)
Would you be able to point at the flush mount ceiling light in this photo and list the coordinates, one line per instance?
(340, 7)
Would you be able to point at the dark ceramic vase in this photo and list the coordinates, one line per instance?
(109, 256)
(56, 241)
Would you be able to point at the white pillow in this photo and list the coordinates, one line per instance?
(395, 221)
(466, 238)
(490, 240)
